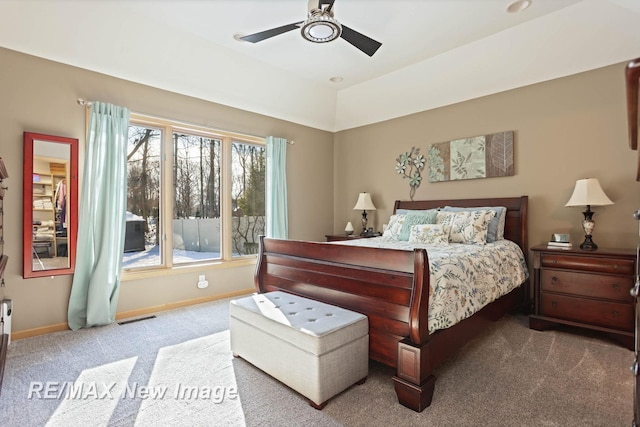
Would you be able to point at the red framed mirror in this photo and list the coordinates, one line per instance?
(50, 205)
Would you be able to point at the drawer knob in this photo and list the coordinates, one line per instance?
(615, 286)
(616, 313)
(554, 280)
(554, 261)
(615, 266)
(554, 304)
(635, 290)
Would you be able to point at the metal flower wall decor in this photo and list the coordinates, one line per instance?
(409, 165)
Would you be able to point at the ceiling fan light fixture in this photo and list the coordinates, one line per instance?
(320, 27)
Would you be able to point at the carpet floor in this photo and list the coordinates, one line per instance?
(176, 369)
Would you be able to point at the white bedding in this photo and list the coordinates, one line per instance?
(463, 278)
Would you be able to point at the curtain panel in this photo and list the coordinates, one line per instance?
(276, 192)
(101, 226)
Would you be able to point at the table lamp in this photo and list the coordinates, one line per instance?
(588, 192)
(364, 204)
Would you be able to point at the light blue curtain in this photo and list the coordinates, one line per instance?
(101, 226)
(276, 183)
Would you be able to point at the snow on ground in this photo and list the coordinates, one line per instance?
(151, 257)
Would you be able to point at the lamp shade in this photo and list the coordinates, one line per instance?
(364, 203)
(588, 192)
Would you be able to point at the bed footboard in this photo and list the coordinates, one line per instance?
(389, 286)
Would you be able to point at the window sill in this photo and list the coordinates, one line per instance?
(130, 275)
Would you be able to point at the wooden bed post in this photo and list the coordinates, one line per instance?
(260, 266)
(414, 382)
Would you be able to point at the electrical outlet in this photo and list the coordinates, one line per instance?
(202, 281)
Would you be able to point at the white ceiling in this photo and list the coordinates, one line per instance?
(434, 52)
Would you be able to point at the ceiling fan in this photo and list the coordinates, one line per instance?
(321, 27)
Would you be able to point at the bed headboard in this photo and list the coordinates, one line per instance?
(515, 228)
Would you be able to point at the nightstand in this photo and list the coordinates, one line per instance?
(337, 237)
(588, 289)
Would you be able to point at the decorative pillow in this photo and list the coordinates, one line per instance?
(430, 234)
(467, 226)
(406, 211)
(393, 228)
(496, 226)
(414, 218)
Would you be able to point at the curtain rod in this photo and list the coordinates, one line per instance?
(86, 103)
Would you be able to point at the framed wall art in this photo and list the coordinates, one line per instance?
(483, 156)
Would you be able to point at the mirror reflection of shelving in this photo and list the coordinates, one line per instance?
(49, 220)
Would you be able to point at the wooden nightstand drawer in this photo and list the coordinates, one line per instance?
(588, 289)
(587, 263)
(589, 285)
(606, 314)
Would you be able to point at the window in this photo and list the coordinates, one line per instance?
(247, 190)
(142, 233)
(194, 195)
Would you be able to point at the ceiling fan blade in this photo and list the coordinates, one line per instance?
(329, 2)
(263, 35)
(362, 42)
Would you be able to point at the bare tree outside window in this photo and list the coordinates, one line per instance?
(194, 162)
(248, 193)
(143, 196)
(196, 187)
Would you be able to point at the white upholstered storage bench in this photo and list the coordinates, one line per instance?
(315, 348)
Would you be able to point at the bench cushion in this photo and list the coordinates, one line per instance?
(311, 325)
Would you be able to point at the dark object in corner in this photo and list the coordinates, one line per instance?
(134, 236)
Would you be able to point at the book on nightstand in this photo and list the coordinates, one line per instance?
(559, 245)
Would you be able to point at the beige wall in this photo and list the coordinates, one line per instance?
(565, 129)
(40, 96)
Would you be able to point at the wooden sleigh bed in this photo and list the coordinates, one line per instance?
(391, 287)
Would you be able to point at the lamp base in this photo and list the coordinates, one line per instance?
(364, 223)
(588, 244)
